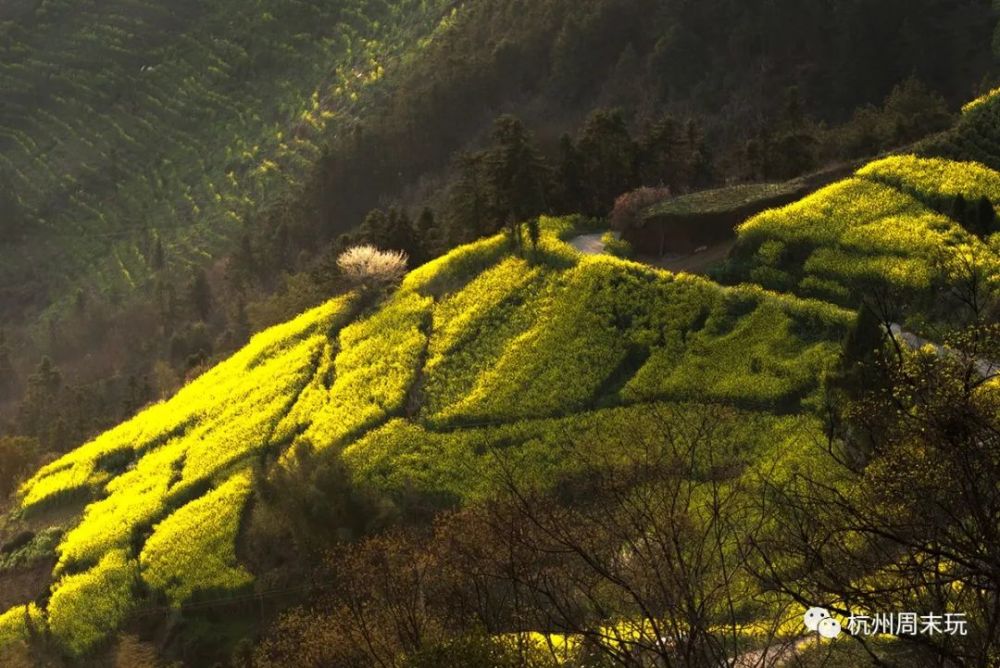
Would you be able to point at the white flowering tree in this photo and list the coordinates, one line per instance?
(370, 267)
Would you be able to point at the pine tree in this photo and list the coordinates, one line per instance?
(37, 412)
(242, 269)
(468, 200)
(375, 227)
(517, 176)
(571, 191)
(661, 155)
(427, 236)
(701, 170)
(608, 154)
(400, 234)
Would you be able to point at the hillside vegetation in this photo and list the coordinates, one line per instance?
(200, 113)
(542, 355)
(610, 405)
(477, 347)
(905, 225)
(158, 210)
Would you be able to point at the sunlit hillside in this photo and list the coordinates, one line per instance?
(478, 347)
(907, 226)
(542, 353)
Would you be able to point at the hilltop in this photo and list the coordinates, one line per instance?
(479, 346)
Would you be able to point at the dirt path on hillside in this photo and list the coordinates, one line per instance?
(588, 244)
(986, 368)
(691, 263)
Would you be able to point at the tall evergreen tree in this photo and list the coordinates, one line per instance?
(609, 159)
(39, 408)
(427, 236)
(375, 227)
(399, 234)
(662, 156)
(517, 176)
(468, 200)
(242, 269)
(571, 191)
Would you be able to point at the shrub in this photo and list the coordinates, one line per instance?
(617, 246)
(367, 266)
(19, 624)
(629, 207)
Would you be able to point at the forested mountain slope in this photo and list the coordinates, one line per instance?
(198, 114)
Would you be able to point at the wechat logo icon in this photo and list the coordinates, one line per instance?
(819, 620)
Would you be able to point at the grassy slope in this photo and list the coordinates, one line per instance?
(477, 348)
(877, 231)
(200, 112)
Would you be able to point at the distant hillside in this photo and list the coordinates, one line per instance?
(201, 115)
(138, 133)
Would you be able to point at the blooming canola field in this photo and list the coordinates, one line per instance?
(541, 353)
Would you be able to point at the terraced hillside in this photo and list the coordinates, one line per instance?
(198, 113)
(907, 226)
(545, 355)
(478, 347)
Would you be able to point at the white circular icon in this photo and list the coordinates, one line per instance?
(829, 628)
(814, 616)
